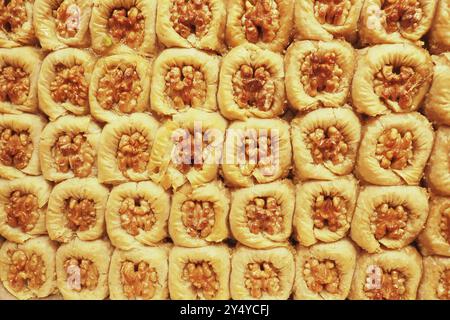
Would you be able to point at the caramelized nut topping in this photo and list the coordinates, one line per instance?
(445, 224)
(191, 17)
(67, 18)
(443, 289)
(72, 152)
(264, 215)
(261, 20)
(133, 153)
(14, 85)
(22, 211)
(389, 221)
(392, 286)
(186, 86)
(13, 15)
(333, 12)
(202, 277)
(127, 25)
(327, 145)
(139, 280)
(190, 151)
(401, 14)
(69, 85)
(119, 89)
(198, 217)
(136, 215)
(253, 88)
(16, 148)
(88, 273)
(394, 149)
(321, 275)
(25, 271)
(330, 212)
(80, 214)
(262, 277)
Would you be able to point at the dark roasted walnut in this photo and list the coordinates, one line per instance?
(81, 214)
(139, 280)
(25, 271)
(321, 275)
(127, 25)
(330, 212)
(22, 211)
(261, 20)
(262, 278)
(328, 145)
(191, 17)
(14, 85)
(202, 277)
(394, 149)
(136, 215)
(16, 148)
(198, 217)
(186, 86)
(69, 85)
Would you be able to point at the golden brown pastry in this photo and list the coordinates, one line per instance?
(28, 270)
(324, 210)
(324, 143)
(251, 84)
(199, 273)
(435, 283)
(266, 23)
(439, 38)
(261, 215)
(16, 23)
(389, 217)
(394, 149)
(389, 275)
(438, 176)
(76, 209)
(324, 271)
(391, 78)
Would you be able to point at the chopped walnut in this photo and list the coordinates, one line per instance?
(203, 278)
(262, 277)
(333, 12)
(261, 20)
(13, 15)
(264, 215)
(443, 289)
(198, 217)
(22, 211)
(190, 151)
(139, 280)
(133, 153)
(445, 224)
(81, 214)
(127, 25)
(253, 87)
(389, 221)
(67, 19)
(191, 17)
(87, 271)
(258, 154)
(186, 86)
(16, 148)
(394, 149)
(119, 89)
(392, 286)
(320, 72)
(26, 271)
(401, 14)
(73, 152)
(327, 145)
(136, 215)
(14, 85)
(321, 275)
(69, 85)
(330, 212)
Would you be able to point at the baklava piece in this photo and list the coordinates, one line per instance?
(266, 23)
(68, 148)
(199, 273)
(324, 271)
(395, 149)
(19, 72)
(324, 210)
(266, 274)
(435, 238)
(27, 270)
(435, 283)
(23, 207)
(139, 274)
(188, 149)
(439, 37)
(438, 176)
(251, 84)
(82, 269)
(183, 79)
(261, 215)
(16, 23)
(62, 23)
(389, 217)
(256, 151)
(136, 214)
(120, 85)
(125, 148)
(389, 275)
(63, 84)
(19, 145)
(325, 142)
(391, 78)
(318, 74)
(395, 21)
(192, 24)
(199, 216)
(123, 25)
(76, 209)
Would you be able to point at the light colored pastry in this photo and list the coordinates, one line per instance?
(435, 283)
(439, 39)
(438, 176)
(17, 24)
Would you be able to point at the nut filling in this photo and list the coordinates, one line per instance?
(391, 285)
(190, 151)
(262, 278)
(25, 271)
(330, 212)
(119, 89)
(333, 12)
(13, 15)
(16, 148)
(67, 18)
(264, 215)
(261, 20)
(320, 73)
(139, 280)
(443, 289)
(253, 88)
(133, 153)
(321, 275)
(394, 149)
(401, 15)
(14, 85)
(83, 270)
(191, 17)
(258, 154)
(389, 221)
(136, 215)
(81, 214)
(72, 152)
(202, 277)
(127, 25)
(69, 85)
(327, 145)
(186, 86)
(445, 224)
(22, 211)
(198, 217)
